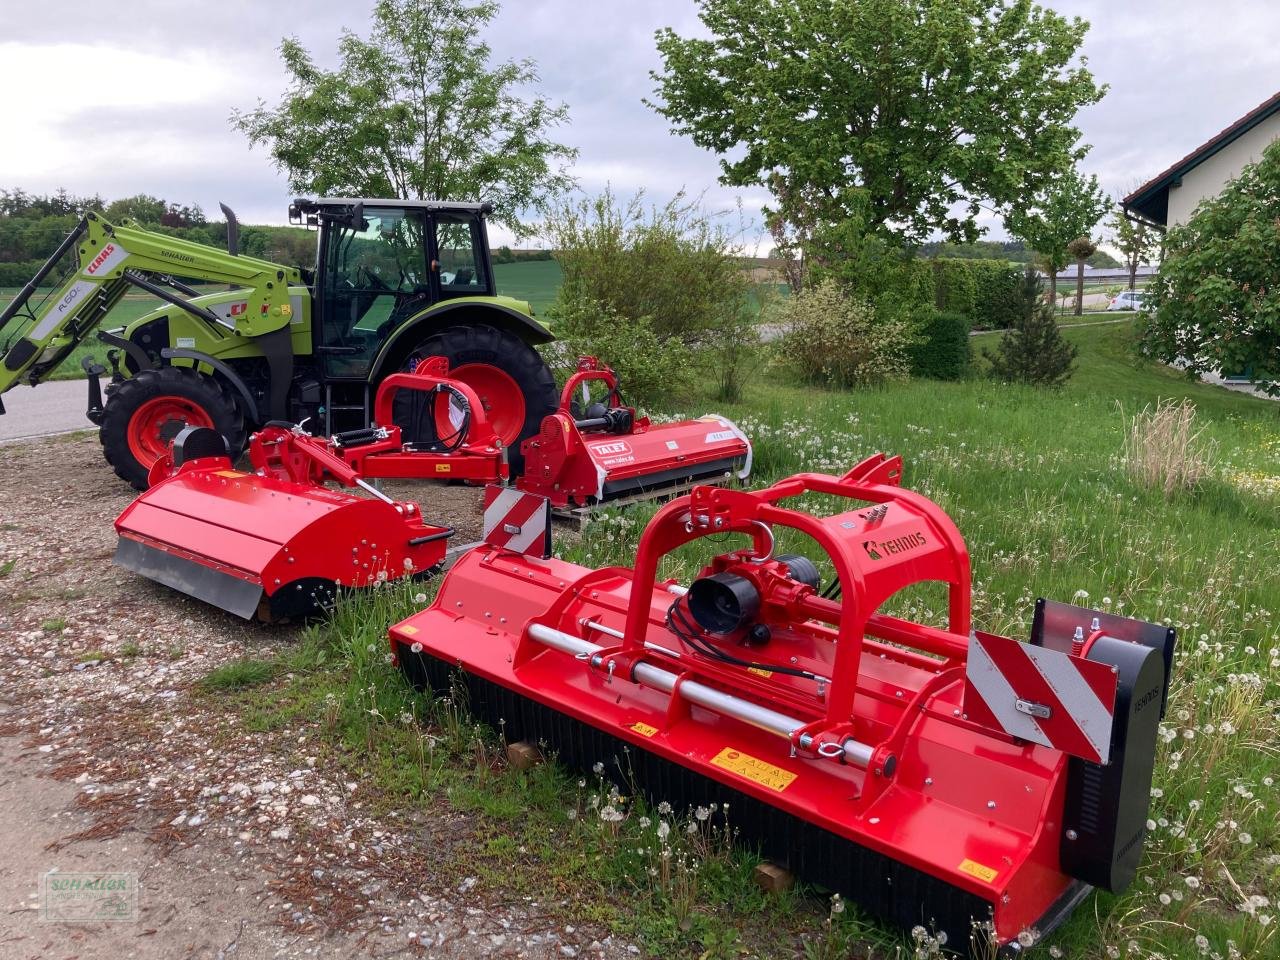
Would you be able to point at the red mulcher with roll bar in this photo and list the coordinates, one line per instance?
(960, 781)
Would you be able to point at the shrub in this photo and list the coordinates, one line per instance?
(652, 370)
(1164, 449)
(734, 349)
(834, 339)
(943, 351)
(1033, 350)
(674, 264)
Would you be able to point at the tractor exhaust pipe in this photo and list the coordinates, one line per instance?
(233, 230)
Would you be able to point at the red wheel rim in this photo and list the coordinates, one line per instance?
(154, 425)
(500, 395)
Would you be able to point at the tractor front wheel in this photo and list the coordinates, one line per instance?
(145, 412)
(510, 377)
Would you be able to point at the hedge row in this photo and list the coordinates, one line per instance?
(985, 291)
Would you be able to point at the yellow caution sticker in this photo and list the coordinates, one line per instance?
(974, 869)
(286, 310)
(406, 628)
(760, 672)
(444, 467)
(753, 768)
(233, 474)
(644, 729)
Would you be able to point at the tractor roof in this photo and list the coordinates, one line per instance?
(307, 204)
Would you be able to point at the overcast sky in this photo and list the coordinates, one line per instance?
(133, 96)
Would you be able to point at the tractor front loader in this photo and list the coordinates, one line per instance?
(394, 281)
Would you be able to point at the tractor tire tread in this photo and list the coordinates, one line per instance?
(481, 343)
(124, 398)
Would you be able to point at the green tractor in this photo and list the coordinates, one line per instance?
(394, 281)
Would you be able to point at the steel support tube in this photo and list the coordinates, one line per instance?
(697, 693)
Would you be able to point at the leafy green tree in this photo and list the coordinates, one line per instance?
(902, 114)
(1136, 241)
(416, 111)
(1215, 304)
(1068, 208)
(1033, 350)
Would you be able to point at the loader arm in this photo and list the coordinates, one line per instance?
(93, 268)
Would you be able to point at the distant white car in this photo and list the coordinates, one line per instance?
(1127, 300)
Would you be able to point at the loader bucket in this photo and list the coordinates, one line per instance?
(847, 742)
(270, 548)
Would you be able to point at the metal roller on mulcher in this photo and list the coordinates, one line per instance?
(938, 776)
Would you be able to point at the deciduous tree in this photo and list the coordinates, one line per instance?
(1068, 208)
(903, 114)
(1137, 242)
(416, 111)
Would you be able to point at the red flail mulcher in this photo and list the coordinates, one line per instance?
(592, 452)
(967, 783)
(270, 544)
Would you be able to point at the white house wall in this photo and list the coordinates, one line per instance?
(1208, 179)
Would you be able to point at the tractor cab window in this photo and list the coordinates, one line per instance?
(460, 256)
(376, 274)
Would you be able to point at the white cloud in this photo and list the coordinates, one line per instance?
(129, 98)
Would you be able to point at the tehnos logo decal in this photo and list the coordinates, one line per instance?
(879, 549)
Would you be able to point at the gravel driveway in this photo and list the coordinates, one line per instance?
(245, 844)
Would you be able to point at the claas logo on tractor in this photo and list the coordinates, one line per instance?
(934, 775)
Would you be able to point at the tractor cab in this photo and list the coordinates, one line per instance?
(381, 262)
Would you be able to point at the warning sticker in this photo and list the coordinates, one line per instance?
(444, 468)
(406, 628)
(753, 768)
(975, 869)
(644, 729)
(759, 672)
(718, 436)
(233, 474)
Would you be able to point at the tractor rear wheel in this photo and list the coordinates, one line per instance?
(144, 413)
(510, 377)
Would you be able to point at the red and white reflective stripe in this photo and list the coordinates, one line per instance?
(1041, 695)
(515, 520)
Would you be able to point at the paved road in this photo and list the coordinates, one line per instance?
(54, 407)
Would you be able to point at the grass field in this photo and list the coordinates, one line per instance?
(536, 281)
(1038, 485)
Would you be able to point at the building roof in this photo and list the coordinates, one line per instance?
(1151, 200)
